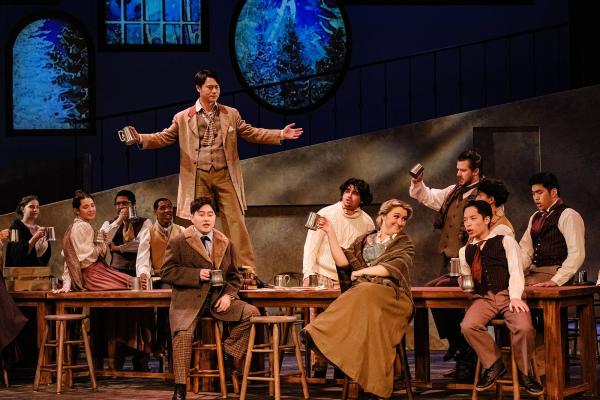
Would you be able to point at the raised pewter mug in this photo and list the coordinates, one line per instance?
(49, 234)
(312, 222)
(99, 236)
(126, 135)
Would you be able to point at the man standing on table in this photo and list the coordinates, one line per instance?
(209, 161)
(349, 221)
(449, 204)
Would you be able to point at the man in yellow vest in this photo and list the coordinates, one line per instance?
(150, 257)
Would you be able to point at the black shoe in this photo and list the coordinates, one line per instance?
(180, 391)
(229, 364)
(531, 386)
(319, 373)
(465, 366)
(490, 375)
(452, 349)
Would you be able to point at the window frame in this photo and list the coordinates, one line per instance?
(16, 30)
(104, 46)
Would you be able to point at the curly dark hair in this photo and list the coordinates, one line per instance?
(494, 188)
(364, 190)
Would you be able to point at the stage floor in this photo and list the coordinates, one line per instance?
(152, 389)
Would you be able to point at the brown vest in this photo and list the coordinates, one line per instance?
(158, 245)
(453, 231)
(211, 156)
(495, 276)
(549, 245)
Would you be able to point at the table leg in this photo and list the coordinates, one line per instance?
(555, 360)
(421, 329)
(587, 345)
(41, 311)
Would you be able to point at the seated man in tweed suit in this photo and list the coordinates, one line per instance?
(189, 259)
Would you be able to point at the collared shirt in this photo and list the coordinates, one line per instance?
(199, 107)
(516, 283)
(571, 225)
(434, 198)
(209, 244)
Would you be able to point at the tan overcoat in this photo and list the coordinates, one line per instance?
(184, 258)
(185, 129)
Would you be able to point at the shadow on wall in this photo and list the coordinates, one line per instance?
(283, 188)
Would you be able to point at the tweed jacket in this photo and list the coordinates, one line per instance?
(184, 258)
(185, 129)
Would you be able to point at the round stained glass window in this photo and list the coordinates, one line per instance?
(281, 40)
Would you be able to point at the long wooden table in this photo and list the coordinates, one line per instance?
(115, 299)
(552, 301)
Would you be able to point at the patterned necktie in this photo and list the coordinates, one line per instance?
(209, 136)
(206, 243)
(476, 264)
(538, 221)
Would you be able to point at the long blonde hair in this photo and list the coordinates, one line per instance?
(388, 206)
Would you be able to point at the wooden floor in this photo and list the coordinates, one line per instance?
(151, 389)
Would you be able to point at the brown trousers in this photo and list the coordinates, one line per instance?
(217, 184)
(475, 330)
(236, 343)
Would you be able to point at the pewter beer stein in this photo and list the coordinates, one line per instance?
(468, 285)
(454, 267)
(216, 277)
(313, 280)
(99, 236)
(282, 280)
(135, 284)
(13, 236)
(126, 135)
(131, 210)
(50, 234)
(312, 222)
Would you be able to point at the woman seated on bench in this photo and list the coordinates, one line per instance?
(85, 268)
(360, 330)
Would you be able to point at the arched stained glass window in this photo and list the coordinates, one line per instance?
(280, 40)
(50, 77)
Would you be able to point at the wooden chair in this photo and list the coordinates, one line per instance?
(63, 345)
(273, 348)
(199, 346)
(511, 383)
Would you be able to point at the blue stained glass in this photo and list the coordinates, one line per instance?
(113, 10)
(154, 34)
(279, 40)
(153, 10)
(191, 10)
(133, 33)
(50, 77)
(172, 15)
(192, 34)
(173, 34)
(113, 34)
(173, 11)
(133, 10)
